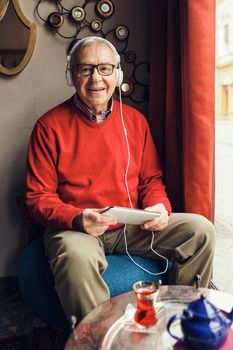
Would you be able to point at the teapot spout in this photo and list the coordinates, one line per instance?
(230, 317)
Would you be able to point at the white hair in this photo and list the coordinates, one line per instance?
(79, 46)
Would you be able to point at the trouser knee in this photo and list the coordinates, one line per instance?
(76, 254)
(204, 231)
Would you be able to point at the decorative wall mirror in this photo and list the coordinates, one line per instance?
(17, 38)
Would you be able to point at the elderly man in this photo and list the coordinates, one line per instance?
(91, 152)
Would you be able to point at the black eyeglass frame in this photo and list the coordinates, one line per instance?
(92, 67)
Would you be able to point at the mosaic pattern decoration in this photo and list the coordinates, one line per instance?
(72, 23)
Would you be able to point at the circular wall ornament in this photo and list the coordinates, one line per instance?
(55, 19)
(122, 32)
(130, 56)
(105, 8)
(127, 87)
(78, 13)
(96, 25)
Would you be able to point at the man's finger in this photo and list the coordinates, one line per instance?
(101, 219)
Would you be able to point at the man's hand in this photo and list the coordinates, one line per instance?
(158, 223)
(93, 222)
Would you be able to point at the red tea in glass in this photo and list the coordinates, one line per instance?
(146, 293)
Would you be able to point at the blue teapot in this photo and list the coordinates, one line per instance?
(202, 324)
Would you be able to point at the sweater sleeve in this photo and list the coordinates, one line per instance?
(151, 188)
(42, 199)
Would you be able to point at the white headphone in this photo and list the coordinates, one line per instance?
(69, 76)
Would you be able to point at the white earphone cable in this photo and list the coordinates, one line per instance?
(128, 150)
(131, 205)
(151, 247)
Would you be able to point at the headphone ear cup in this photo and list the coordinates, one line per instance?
(119, 76)
(69, 77)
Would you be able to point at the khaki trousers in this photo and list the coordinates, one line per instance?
(77, 260)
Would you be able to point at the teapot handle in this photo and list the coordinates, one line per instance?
(172, 319)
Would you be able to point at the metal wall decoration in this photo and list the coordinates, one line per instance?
(104, 9)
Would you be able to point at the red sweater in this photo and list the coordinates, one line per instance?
(74, 163)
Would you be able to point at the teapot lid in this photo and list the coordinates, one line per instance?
(203, 308)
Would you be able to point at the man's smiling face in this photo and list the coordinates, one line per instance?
(95, 90)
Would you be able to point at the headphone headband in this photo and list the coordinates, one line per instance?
(91, 39)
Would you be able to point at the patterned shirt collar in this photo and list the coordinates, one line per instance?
(88, 113)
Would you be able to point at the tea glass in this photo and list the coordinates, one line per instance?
(146, 295)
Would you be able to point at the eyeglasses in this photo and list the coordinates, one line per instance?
(87, 69)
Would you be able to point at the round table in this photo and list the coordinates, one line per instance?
(101, 328)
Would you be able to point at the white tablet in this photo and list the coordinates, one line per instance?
(131, 216)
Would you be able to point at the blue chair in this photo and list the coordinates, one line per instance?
(37, 283)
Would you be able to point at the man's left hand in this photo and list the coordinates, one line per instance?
(158, 223)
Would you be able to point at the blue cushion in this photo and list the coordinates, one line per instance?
(122, 273)
(37, 283)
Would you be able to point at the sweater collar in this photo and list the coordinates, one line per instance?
(88, 113)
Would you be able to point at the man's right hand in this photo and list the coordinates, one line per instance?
(93, 222)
